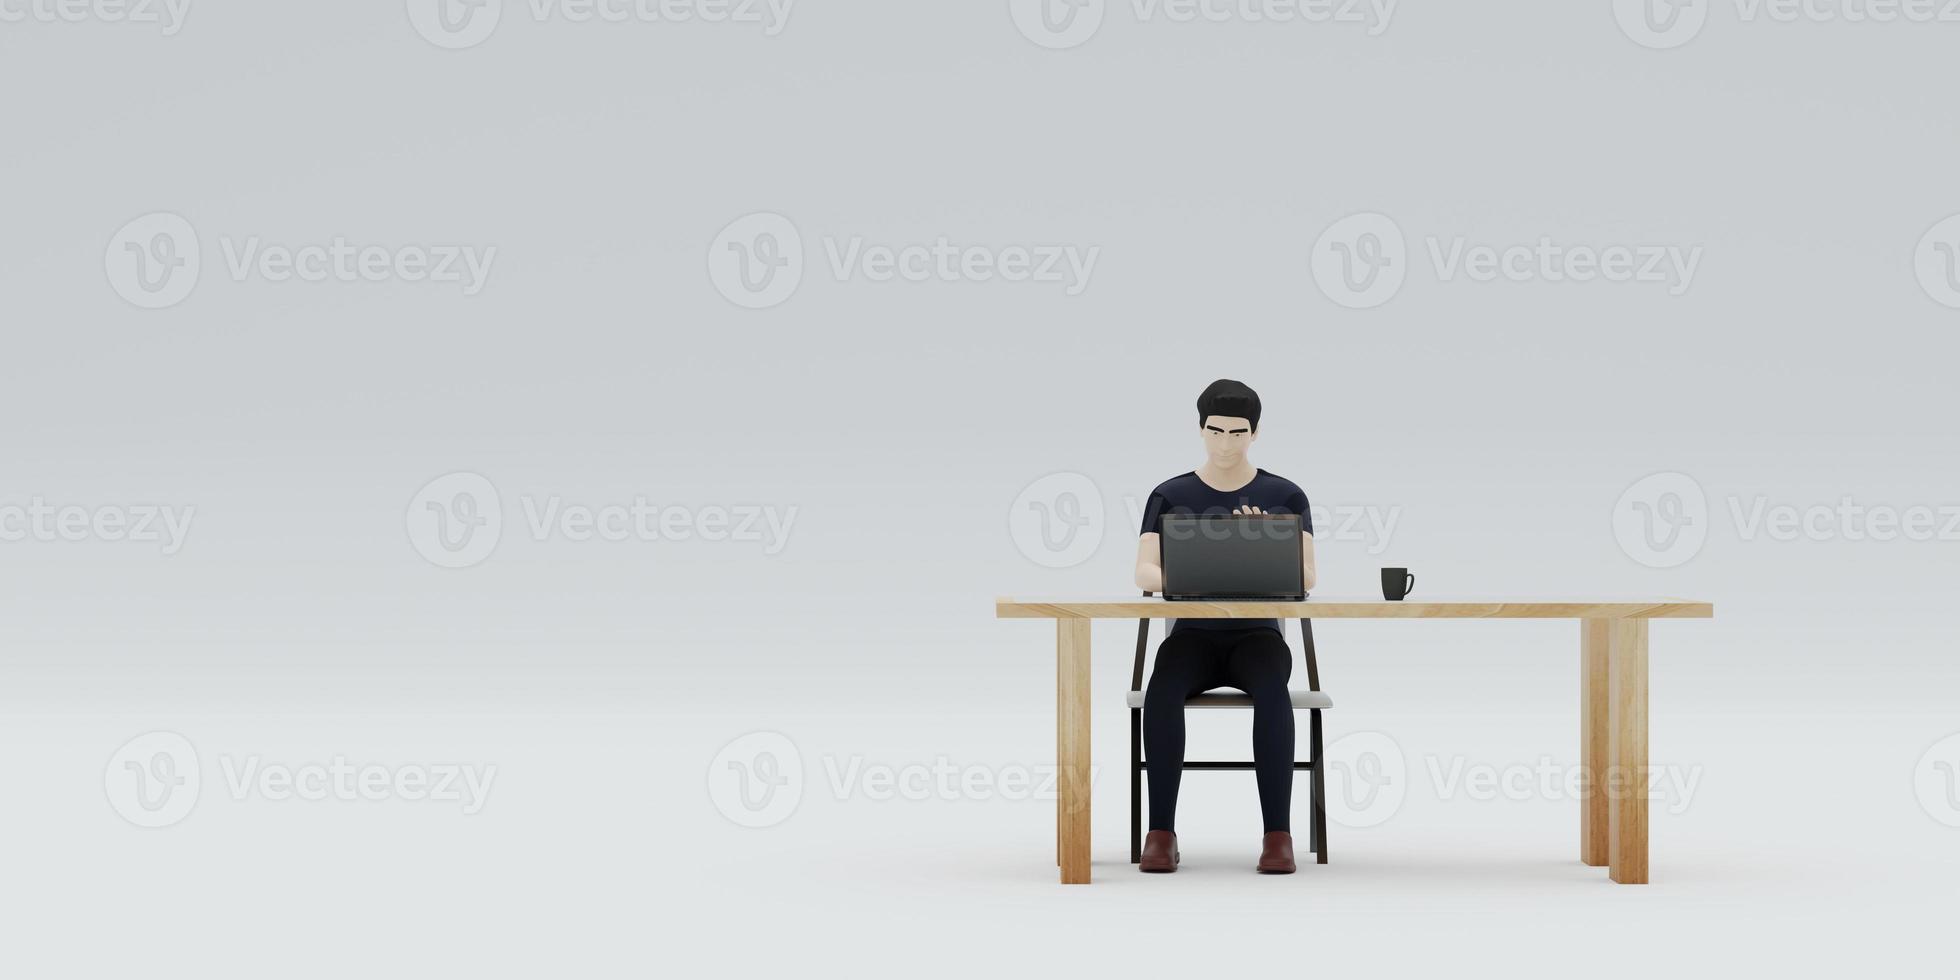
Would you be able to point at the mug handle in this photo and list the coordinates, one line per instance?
(1411, 587)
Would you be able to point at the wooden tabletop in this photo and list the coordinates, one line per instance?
(1350, 607)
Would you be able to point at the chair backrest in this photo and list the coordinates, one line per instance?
(1143, 650)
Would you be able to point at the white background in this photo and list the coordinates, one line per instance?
(1499, 422)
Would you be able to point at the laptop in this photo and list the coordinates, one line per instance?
(1236, 556)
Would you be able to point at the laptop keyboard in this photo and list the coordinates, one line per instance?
(1234, 598)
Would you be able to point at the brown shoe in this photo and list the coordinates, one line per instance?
(1159, 852)
(1276, 854)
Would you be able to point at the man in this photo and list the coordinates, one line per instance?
(1201, 654)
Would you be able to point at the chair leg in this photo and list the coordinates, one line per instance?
(1313, 826)
(1135, 786)
(1319, 792)
(1313, 783)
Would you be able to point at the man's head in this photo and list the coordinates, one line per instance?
(1228, 417)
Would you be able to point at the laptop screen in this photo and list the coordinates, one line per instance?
(1231, 555)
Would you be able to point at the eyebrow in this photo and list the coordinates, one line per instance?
(1217, 429)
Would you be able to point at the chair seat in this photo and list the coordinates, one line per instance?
(1218, 699)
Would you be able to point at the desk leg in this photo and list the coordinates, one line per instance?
(1593, 810)
(1626, 728)
(1072, 747)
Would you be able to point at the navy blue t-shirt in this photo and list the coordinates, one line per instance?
(1189, 496)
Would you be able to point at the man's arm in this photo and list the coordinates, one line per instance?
(1150, 563)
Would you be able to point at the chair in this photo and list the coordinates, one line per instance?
(1310, 700)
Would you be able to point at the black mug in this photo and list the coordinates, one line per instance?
(1396, 583)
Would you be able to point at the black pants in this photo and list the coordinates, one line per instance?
(1191, 661)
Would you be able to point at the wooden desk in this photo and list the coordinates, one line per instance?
(1612, 698)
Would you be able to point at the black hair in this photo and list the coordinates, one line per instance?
(1230, 399)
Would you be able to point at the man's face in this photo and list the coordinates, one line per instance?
(1226, 439)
